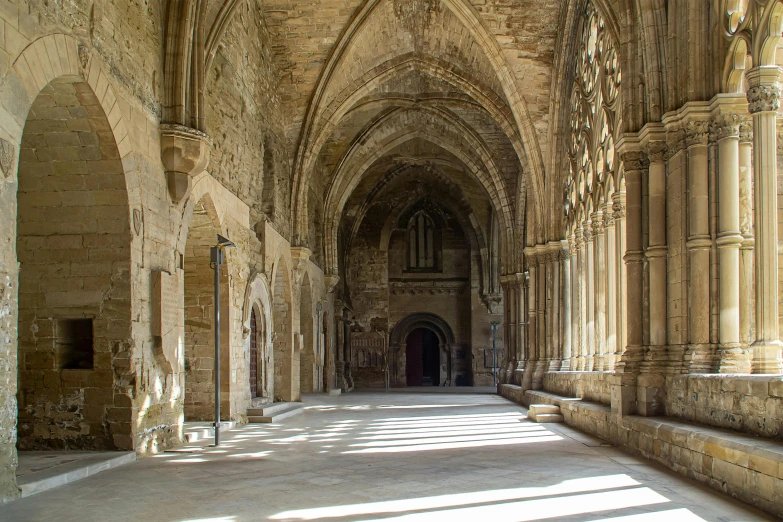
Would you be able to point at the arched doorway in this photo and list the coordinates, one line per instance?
(422, 326)
(199, 399)
(422, 358)
(307, 372)
(256, 371)
(74, 250)
(326, 354)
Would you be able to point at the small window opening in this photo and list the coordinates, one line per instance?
(74, 343)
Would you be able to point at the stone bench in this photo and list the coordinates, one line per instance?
(746, 467)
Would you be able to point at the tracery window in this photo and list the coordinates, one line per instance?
(594, 119)
(594, 195)
(423, 243)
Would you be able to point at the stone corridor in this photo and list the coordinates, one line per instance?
(399, 456)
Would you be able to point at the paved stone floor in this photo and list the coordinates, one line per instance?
(397, 457)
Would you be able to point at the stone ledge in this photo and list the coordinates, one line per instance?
(747, 467)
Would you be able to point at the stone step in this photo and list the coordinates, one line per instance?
(546, 417)
(196, 431)
(92, 463)
(269, 409)
(537, 409)
(290, 409)
(335, 392)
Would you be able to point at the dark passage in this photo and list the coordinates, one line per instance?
(422, 358)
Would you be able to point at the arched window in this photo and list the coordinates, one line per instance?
(423, 243)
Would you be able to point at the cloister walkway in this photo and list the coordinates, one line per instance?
(396, 457)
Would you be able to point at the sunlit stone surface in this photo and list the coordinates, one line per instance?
(397, 456)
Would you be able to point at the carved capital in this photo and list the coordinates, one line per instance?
(746, 131)
(697, 133)
(763, 98)
(330, 281)
(619, 210)
(656, 151)
(725, 126)
(609, 218)
(185, 154)
(634, 160)
(675, 142)
(7, 157)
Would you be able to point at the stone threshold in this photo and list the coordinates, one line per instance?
(67, 467)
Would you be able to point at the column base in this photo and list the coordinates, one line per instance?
(538, 374)
(767, 357)
(527, 376)
(733, 358)
(700, 358)
(565, 365)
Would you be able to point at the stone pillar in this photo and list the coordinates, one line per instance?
(556, 354)
(582, 303)
(726, 127)
(763, 96)
(746, 229)
(624, 384)
(657, 252)
(541, 332)
(567, 325)
(610, 276)
(508, 283)
(521, 324)
(618, 205)
(532, 327)
(589, 277)
(599, 278)
(699, 354)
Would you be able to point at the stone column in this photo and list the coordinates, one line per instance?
(624, 385)
(610, 275)
(699, 353)
(576, 332)
(541, 334)
(599, 279)
(556, 354)
(618, 205)
(582, 305)
(726, 127)
(509, 286)
(532, 327)
(763, 96)
(746, 229)
(657, 252)
(521, 323)
(565, 268)
(589, 277)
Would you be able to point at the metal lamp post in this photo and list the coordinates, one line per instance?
(217, 257)
(494, 326)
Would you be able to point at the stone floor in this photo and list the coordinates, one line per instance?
(397, 457)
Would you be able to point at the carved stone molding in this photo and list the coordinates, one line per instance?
(7, 157)
(746, 131)
(697, 133)
(656, 151)
(675, 142)
(634, 160)
(725, 126)
(185, 154)
(763, 98)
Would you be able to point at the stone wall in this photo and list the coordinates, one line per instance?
(590, 386)
(744, 403)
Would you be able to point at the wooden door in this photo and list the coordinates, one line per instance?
(253, 355)
(414, 360)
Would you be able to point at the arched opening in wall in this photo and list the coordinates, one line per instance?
(326, 350)
(269, 188)
(199, 399)
(422, 358)
(257, 366)
(73, 245)
(283, 340)
(308, 371)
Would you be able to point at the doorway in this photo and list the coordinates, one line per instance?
(422, 367)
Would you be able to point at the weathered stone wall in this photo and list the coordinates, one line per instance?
(590, 386)
(745, 403)
(74, 249)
